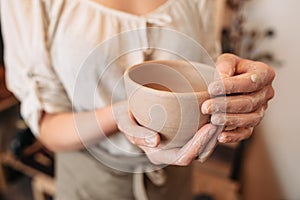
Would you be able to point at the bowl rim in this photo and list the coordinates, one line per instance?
(167, 93)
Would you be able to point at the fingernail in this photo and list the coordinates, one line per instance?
(150, 141)
(222, 138)
(226, 139)
(205, 108)
(203, 157)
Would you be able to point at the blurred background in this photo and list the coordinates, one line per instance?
(273, 161)
(265, 167)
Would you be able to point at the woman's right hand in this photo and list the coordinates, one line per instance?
(149, 140)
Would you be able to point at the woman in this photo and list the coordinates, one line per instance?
(47, 45)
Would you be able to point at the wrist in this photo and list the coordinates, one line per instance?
(106, 120)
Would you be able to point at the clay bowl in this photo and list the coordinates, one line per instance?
(166, 96)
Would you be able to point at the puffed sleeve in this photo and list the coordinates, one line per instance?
(29, 73)
(207, 13)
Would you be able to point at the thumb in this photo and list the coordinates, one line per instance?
(136, 134)
(226, 65)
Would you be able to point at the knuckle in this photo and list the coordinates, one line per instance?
(268, 69)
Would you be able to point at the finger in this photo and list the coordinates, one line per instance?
(159, 156)
(185, 155)
(238, 120)
(238, 103)
(209, 148)
(197, 144)
(235, 135)
(243, 83)
(265, 106)
(228, 65)
(248, 76)
(137, 134)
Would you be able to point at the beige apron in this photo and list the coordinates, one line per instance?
(79, 176)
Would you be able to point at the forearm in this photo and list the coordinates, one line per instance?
(73, 131)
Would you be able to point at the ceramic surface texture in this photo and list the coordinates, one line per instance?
(166, 96)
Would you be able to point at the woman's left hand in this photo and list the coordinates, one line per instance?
(198, 147)
(248, 88)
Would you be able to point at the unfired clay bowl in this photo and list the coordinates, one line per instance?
(166, 96)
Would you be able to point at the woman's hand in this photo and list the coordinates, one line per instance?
(149, 140)
(248, 87)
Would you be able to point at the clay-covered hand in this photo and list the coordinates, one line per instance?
(248, 88)
(135, 133)
(149, 140)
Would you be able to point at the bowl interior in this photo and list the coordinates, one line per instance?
(171, 75)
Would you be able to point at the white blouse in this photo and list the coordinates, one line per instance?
(64, 55)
